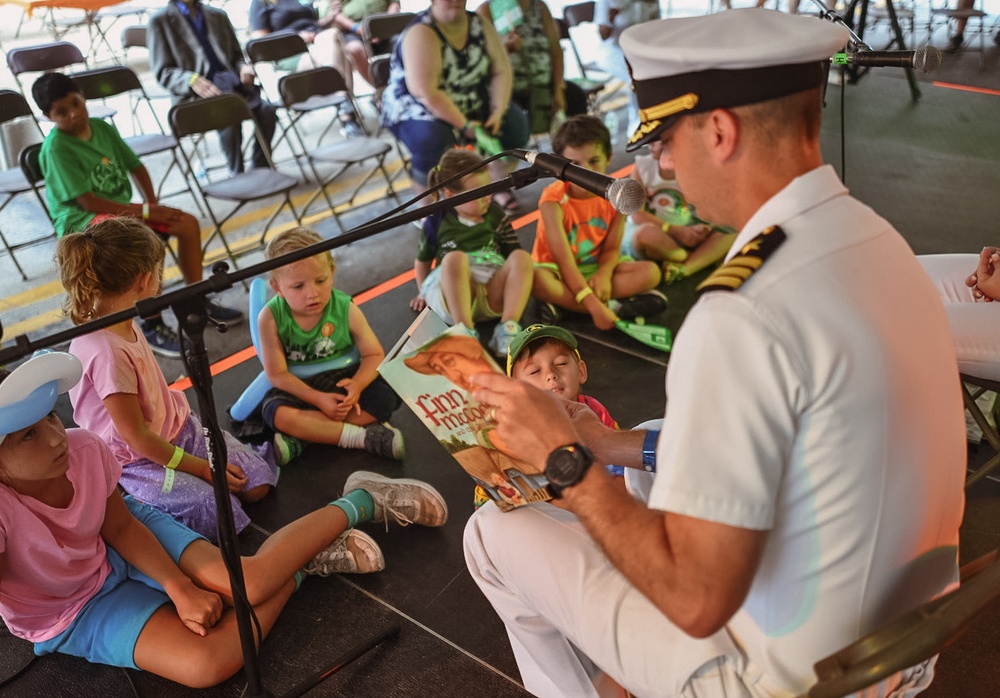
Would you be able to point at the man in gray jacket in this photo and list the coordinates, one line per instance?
(194, 53)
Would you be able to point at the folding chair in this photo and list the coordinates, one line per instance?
(270, 49)
(946, 14)
(198, 117)
(46, 58)
(93, 21)
(972, 388)
(299, 92)
(913, 638)
(13, 181)
(574, 16)
(591, 88)
(380, 32)
(101, 83)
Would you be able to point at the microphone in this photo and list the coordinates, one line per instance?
(626, 195)
(923, 60)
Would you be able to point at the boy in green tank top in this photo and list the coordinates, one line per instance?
(307, 322)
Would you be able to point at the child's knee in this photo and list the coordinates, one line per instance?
(254, 494)
(520, 260)
(455, 261)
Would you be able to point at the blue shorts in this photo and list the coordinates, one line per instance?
(108, 626)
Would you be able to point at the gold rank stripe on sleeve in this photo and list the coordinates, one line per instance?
(731, 275)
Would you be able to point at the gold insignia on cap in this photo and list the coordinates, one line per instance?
(643, 129)
(674, 106)
(731, 275)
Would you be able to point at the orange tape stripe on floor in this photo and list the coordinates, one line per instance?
(363, 297)
(966, 88)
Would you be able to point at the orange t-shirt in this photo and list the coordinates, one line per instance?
(586, 224)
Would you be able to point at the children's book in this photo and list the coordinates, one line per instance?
(507, 15)
(429, 367)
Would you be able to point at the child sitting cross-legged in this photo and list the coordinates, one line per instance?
(577, 261)
(309, 321)
(90, 573)
(481, 273)
(667, 229)
(123, 396)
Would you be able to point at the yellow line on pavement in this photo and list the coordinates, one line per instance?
(54, 288)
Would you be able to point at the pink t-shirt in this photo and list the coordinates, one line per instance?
(113, 365)
(54, 560)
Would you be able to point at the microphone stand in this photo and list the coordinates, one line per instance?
(857, 72)
(188, 304)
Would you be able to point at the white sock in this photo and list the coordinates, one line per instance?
(352, 437)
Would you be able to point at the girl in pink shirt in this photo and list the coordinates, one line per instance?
(87, 572)
(123, 396)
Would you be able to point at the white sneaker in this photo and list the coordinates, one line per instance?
(354, 552)
(405, 501)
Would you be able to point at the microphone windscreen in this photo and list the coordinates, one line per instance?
(626, 195)
(926, 59)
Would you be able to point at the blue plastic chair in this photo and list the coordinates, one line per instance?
(254, 393)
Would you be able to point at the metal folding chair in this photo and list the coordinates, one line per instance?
(591, 88)
(299, 92)
(102, 83)
(13, 181)
(380, 32)
(913, 638)
(268, 50)
(574, 16)
(972, 388)
(195, 119)
(45, 58)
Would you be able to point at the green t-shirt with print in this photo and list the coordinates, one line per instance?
(359, 9)
(73, 167)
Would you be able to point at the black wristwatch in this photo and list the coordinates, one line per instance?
(566, 466)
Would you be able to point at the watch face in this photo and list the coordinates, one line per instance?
(563, 468)
(566, 466)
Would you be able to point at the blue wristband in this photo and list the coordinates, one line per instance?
(649, 450)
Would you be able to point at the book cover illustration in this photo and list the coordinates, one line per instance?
(432, 378)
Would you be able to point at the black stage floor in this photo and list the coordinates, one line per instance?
(930, 167)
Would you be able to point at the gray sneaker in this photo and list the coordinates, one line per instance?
(404, 501)
(385, 440)
(354, 552)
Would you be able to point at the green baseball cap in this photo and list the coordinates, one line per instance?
(533, 333)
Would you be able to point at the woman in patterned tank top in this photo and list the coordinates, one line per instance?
(448, 74)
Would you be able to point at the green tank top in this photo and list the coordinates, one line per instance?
(329, 339)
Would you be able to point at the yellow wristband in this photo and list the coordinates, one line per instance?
(665, 227)
(584, 292)
(145, 212)
(175, 459)
(193, 79)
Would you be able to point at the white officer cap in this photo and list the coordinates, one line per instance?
(727, 59)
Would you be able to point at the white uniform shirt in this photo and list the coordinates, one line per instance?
(830, 386)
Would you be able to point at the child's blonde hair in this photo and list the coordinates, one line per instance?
(454, 162)
(291, 240)
(105, 260)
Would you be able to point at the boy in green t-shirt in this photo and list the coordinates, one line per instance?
(86, 165)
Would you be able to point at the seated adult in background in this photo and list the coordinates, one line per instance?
(537, 60)
(348, 17)
(326, 46)
(448, 74)
(962, 280)
(822, 495)
(957, 40)
(194, 53)
(612, 17)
